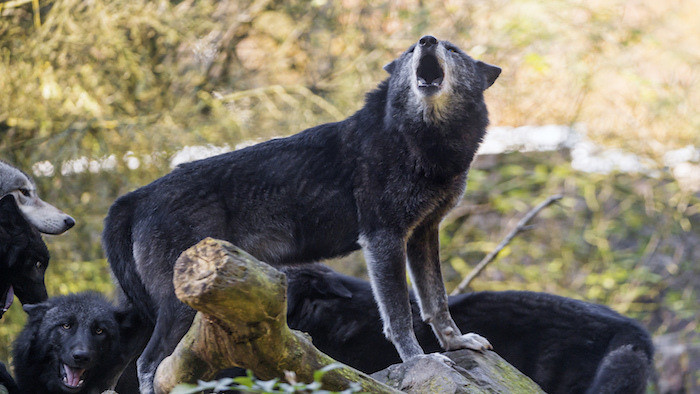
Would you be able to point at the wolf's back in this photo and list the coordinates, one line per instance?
(117, 242)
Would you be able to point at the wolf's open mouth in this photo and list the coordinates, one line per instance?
(73, 378)
(429, 72)
(6, 300)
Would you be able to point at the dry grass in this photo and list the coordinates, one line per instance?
(97, 74)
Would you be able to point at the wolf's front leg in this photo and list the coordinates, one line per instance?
(424, 265)
(385, 254)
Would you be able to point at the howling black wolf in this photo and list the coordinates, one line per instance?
(381, 180)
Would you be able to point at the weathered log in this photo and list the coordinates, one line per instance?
(242, 322)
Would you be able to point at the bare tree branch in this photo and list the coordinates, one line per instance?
(522, 225)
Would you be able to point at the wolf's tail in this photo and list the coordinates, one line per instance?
(117, 242)
(626, 368)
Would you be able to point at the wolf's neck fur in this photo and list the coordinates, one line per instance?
(443, 142)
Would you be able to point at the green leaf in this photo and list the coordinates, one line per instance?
(319, 373)
(268, 385)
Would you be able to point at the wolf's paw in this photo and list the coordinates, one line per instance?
(468, 341)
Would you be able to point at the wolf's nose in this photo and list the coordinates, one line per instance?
(427, 41)
(69, 222)
(81, 356)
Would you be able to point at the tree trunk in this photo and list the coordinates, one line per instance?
(242, 321)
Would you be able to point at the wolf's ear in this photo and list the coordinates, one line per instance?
(127, 318)
(390, 67)
(489, 73)
(330, 286)
(34, 310)
(12, 222)
(10, 215)
(6, 201)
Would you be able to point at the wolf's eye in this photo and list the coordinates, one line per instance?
(452, 49)
(99, 331)
(38, 265)
(65, 326)
(25, 192)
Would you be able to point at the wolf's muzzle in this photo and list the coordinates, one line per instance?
(429, 74)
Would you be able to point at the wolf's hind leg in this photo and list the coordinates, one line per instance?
(424, 267)
(172, 324)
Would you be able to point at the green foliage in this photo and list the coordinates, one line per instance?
(139, 79)
(108, 77)
(615, 239)
(251, 384)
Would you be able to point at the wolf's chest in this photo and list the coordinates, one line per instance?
(401, 196)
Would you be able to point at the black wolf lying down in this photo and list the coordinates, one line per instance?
(564, 345)
(381, 180)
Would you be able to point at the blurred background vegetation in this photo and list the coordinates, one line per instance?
(97, 96)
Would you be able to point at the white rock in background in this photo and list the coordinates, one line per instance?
(688, 176)
(683, 164)
(687, 154)
(528, 139)
(588, 157)
(196, 152)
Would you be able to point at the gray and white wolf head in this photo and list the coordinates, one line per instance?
(42, 215)
(434, 79)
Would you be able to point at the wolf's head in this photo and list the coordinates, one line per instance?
(44, 216)
(436, 80)
(70, 343)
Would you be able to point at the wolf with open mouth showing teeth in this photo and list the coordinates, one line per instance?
(381, 180)
(73, 344)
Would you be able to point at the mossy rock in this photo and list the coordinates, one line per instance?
(473, 372)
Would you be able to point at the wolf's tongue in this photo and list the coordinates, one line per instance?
(8, 299)
(73, 376)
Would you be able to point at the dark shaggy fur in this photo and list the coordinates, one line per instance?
(23, 257)
(564, 345)
(381, 180)
(73, 344)
(7, 381)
